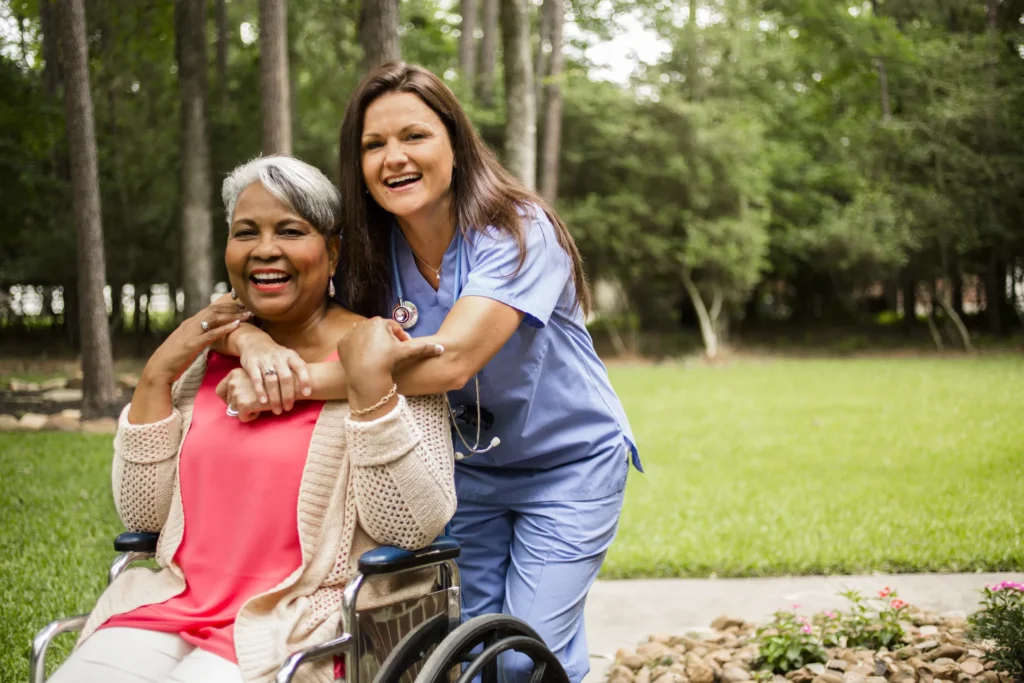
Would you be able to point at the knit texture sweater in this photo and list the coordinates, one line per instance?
(389, 481)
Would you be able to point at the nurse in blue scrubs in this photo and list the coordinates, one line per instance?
(441, 239)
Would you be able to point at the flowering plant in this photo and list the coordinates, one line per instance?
(1001, 622)
(873, 624)
(788, 643)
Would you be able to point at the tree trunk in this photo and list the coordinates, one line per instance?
(956, 281)
(467, 44)
(223, 40)
(553, 109)
(274, 96)
(520, 108)
(995, 292)
(378, 32)
(883, 76)
(488, 50)
(707, 327)
(99, 389)
(52, 74)
(196, 229)
(909, 302)
(540, 71)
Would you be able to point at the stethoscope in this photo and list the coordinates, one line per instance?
(407, 315)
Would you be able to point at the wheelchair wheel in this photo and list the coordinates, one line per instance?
(473, 648)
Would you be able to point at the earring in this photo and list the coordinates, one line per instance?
(234, 294)
(330, 287)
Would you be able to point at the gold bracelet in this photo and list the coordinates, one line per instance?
(379, 404)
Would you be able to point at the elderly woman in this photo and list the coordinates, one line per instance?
(262, 519)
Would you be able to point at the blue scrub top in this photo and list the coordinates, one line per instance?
(564, 434)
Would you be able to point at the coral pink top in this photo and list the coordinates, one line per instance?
(239, 494)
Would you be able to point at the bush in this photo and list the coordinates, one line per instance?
(1000, 622)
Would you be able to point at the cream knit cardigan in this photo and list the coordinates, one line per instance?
(384, 482)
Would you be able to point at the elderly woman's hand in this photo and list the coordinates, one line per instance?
(238, 392)
(194, 335)
(278, 375)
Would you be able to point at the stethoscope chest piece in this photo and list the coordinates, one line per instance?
(405, 314)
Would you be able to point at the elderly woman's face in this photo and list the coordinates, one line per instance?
(277, 262)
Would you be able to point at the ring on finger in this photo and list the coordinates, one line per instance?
(205, 325)
(270, 371)
(231, 412)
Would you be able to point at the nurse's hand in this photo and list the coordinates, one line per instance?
(370, 353)
(278, 375)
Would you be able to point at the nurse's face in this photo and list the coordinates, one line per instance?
(407, 157)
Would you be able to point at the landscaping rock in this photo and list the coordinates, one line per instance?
(63, 395)
(620, 674)
(853, 677)
(837, 664)
(928, 630)
(656, 653)
(32, 422)
(816, 668)
(55, 383)
(734, 674)
(8, 423)
(948, 650)
(128, 380)
(61, 423)
(723, 622)
(972, 667)
(699, 672)
(22, 385)
(927, 645)
(828, 677)
(73, 413)
(103, 425)
(631, 661)
(643, 675)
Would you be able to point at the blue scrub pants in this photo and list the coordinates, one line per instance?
(535, 561)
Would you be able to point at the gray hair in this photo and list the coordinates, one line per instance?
(303, 188)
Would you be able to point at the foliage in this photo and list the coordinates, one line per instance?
(791, 641)
(1000, 622)
(788, 642)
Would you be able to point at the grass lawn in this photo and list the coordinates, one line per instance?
(754, 468)
(824, 466)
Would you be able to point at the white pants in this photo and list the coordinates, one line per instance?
(133, 655)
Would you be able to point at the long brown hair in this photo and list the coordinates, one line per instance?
(483, 192)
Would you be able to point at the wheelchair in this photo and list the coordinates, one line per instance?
(418, 640)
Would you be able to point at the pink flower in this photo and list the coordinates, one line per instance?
(830, 615)
(795, 607)
(885, 592)
(897, 604)
(806, 628)
(1011, 585)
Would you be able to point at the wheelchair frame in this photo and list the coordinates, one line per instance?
(381, 561)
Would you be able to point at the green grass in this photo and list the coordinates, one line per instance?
(753, 468)
(57, 521)
(824, 466)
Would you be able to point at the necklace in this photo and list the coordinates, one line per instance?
(437, 271)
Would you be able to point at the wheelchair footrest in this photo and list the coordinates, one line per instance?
(388, 559)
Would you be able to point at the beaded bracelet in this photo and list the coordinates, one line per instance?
(379, 404)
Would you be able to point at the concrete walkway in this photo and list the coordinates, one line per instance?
(621, 614)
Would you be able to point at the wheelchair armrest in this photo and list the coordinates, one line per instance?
(388, 559)
(136, 541)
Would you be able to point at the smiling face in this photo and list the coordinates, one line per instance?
(277, 262)
(407, 158)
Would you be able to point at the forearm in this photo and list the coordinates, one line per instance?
(151, 401)
(423, 378)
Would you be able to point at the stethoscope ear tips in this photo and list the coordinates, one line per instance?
(495, 442)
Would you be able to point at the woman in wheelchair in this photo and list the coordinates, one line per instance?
(262, 518)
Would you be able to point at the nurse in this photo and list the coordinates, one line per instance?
(439, 237)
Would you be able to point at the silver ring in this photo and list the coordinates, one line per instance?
(232, 412)
(205, 325)
(270, 371)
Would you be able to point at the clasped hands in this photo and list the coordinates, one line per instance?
(272, 377)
